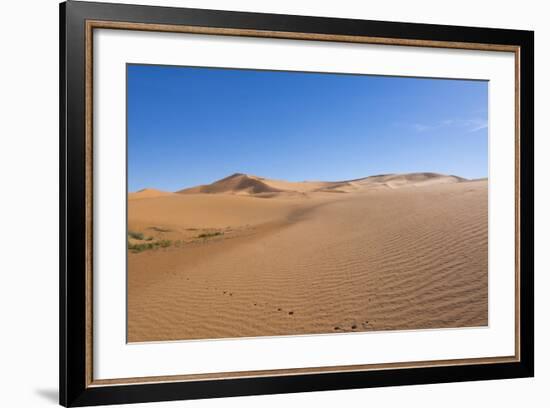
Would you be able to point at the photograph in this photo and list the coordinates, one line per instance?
(283, 203)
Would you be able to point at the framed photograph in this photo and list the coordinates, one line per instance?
(256, 203)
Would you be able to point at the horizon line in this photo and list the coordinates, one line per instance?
(236, 174)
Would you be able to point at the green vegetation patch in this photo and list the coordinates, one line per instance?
(136, 235)
(209, 234)
(136, 248)
(160, 229)
(164, 243)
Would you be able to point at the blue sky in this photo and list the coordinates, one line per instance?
(190, 126)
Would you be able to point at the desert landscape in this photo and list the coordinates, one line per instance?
(249, 256)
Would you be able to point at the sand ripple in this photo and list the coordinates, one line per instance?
(384, 259)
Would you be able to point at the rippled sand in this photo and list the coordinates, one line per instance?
(332, 258)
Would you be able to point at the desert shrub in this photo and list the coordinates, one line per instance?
(210, 234)
(165, 243)
(160, 229)
(135, 235)
(143, 246)
(140, 247)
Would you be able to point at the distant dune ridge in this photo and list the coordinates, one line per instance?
(250, 256)
(148, 193)
(240, 183)
(236, 183)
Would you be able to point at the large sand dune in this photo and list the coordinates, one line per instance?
(250, 256)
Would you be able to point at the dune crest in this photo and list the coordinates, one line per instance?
(415, 179)
(148, 193)
(246, 184)
(237, 183)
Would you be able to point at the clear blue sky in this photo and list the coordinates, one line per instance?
(190, 126)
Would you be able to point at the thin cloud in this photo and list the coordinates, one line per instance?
(476, 125)
(468, 125)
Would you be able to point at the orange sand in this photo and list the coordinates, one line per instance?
(281, 258)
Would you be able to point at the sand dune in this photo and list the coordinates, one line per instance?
(148, 193)
(240, 183)
(236, 183)
(411, 179)
(390, 252)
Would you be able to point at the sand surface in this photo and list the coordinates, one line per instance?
(249, 256)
